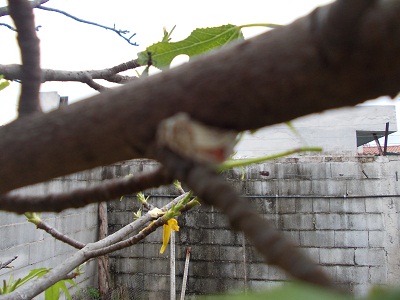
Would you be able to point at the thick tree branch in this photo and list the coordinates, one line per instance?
(14, 72)
(4, 11)
(81, 197)
(22, 14)
(122, 33)
(274, 77)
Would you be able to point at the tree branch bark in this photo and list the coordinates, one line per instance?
(275, 77)
(81, 197)
(22, 14)
(14, 72)
(4, 11)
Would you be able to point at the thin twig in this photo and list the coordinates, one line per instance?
(120, 32)
(22, 14)
(60, 236)
(14, 72)
(6, 264)
(96, 86)
(8, 26)
(81, 197)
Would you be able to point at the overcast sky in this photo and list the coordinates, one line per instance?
(67, 44)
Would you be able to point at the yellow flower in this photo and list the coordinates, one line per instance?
(172, 224)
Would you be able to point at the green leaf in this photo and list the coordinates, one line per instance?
(53, 292)
(290, 291)
(200, 41)
(32, 274)
(3, 83)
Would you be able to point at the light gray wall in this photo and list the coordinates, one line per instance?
(354, 239)
(37, 249)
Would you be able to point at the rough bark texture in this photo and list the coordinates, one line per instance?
(22, 15)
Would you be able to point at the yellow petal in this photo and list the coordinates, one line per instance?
(173, 223)
(166, 235)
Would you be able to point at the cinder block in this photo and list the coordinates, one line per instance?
(329, 187)
(351, 238)
(352, 274)
(192, 236)
(154, 266)
(226, 237)
(257, 271)
(365, 221)
(369, 187)
(295, 186)
(348, 170)
(263, 205)
(336, 256)
(209, 220)
(373, 205)
(134, 251)
(42, 250)
(131, 266)
(357, 222)
(330, 221)
(330, 270)
(347, 205)
(206, 269)
(321, 205)
(286, 205)
(370, 257)
(304, 205)
(378, 275)
(230, 253)
(375, 222)
(231, 271)
(297, 221)
(313, 253)
(275, 273)
(324, 238)
(293, 235)
(205, 252)
(376, 238)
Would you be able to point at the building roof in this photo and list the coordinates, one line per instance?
(373, 150)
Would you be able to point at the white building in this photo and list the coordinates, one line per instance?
(338, 131)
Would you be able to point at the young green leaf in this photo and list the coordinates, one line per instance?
(200, 41)
(3, 83)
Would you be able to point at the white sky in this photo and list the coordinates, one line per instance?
(69, 45)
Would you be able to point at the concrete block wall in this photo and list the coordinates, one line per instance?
(339, 210)
(36, 248)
